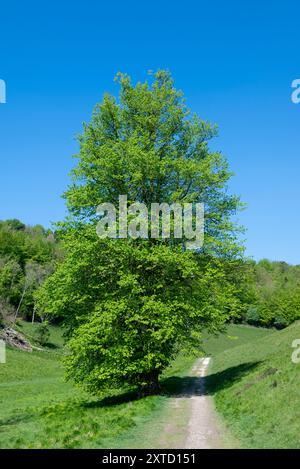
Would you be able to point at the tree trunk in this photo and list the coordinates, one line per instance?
(150, 384)
(20, 303)
(33, 315)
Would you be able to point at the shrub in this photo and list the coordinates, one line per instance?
(42, 333)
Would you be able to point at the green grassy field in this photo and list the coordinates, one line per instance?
(257, 388)
(234, 336)
(39, 410)
(260, 406)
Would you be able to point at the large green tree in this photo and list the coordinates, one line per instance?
(129, 305)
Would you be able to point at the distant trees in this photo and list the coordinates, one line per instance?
(34, 275)
(14, 224)
(273, 294)
(27, 256)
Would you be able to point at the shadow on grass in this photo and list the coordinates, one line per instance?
(110, 401)
(186, 386)
(226, 378)
(189, 386)
(52, 346)
(14, 419)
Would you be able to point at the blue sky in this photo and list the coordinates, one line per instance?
(235, 62)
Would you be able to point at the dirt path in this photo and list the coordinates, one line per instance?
(203, 431)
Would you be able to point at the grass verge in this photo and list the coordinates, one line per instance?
(256, 389)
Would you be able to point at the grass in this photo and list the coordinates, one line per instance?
(257, 388)
(39, 410)
(234, 336)
(254, 382)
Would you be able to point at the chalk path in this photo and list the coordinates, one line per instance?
(203, 430)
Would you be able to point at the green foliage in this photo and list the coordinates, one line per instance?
(252, 315)
(135, 305)
(42, 333)
(27, 257)
(148, 146)
(6, 311)
(15, 224)
(273, 294)
(131, 305)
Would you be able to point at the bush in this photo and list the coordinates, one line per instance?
(280, 322)
(252, 316)
(42, 333)
(6, 311)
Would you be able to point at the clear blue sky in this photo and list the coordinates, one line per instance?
(234, 60)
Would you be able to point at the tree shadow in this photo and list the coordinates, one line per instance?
(189, 386)
(173, 387)
(186, 386)
(14, 419)
(111, 401)
(52, 346)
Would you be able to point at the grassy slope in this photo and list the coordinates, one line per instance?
(261, 409)
(39, 410)
(234, 336)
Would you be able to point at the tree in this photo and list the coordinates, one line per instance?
(10, 277)
(42, 333)
(129, 305)
(15, 224)
(35, 274)
(6, 311)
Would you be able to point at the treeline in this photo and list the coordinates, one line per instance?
(269, 293)
(28, 255)
(272, 294)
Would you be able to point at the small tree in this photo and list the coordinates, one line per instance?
(42, 333)
(35, 274)
(6, 311)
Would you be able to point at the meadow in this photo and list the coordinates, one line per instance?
(38, 409)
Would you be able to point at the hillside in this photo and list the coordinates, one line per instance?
(252, 377)
(256, 388)
(39, 410)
